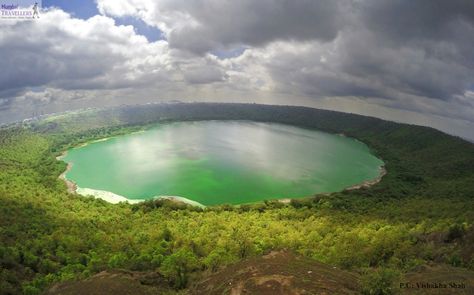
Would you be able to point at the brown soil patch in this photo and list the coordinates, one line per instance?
(279, 273)
(114, 283)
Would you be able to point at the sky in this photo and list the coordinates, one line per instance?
(406, 61)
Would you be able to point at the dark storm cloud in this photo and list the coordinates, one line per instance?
(401, 20)
(52, 52)
(390, 49)
(218, 24)
(425, 46)
(428, 45)
(50, 56)
(409, 68)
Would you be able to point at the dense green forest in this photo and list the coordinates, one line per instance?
(421, 212)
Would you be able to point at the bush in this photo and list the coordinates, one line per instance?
(119, 260)
(217, 258)
(379, 282)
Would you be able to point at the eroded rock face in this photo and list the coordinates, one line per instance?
(279, 273)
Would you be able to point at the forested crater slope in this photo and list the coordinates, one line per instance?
(419, 215)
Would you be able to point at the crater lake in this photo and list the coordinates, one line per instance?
(221, 162)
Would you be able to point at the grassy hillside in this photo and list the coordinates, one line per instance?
(421, 212)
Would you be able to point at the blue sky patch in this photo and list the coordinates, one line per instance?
(229, 53)
(83, 9)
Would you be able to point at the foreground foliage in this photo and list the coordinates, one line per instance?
(421, 211)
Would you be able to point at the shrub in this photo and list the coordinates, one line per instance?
(379, 282)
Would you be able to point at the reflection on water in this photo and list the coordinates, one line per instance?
(216, 162)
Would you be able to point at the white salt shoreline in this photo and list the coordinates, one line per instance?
(105, 195)
(115, 199)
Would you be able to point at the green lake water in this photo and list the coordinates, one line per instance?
(217, 162)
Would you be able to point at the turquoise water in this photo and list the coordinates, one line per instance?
(216, 162)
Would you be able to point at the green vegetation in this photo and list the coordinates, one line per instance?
(379, 282)
(422, 211)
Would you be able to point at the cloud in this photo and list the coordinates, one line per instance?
(204, 25)
(62, 52)
(401, 21)
(358, 64)
(345, 54)
(369, 48)
(203, 75)
(426, 45)
(65, 52)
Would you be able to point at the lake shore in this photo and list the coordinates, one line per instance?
(92, 141)
(114, 198)
(365, 184)
(104, 139)
(369, 183)
(178, 199)
(105, 195)
(110, 197)
(71, 186)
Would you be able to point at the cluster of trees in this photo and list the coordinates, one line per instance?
(421, 211)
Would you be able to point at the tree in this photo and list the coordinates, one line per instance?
(177, 266)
